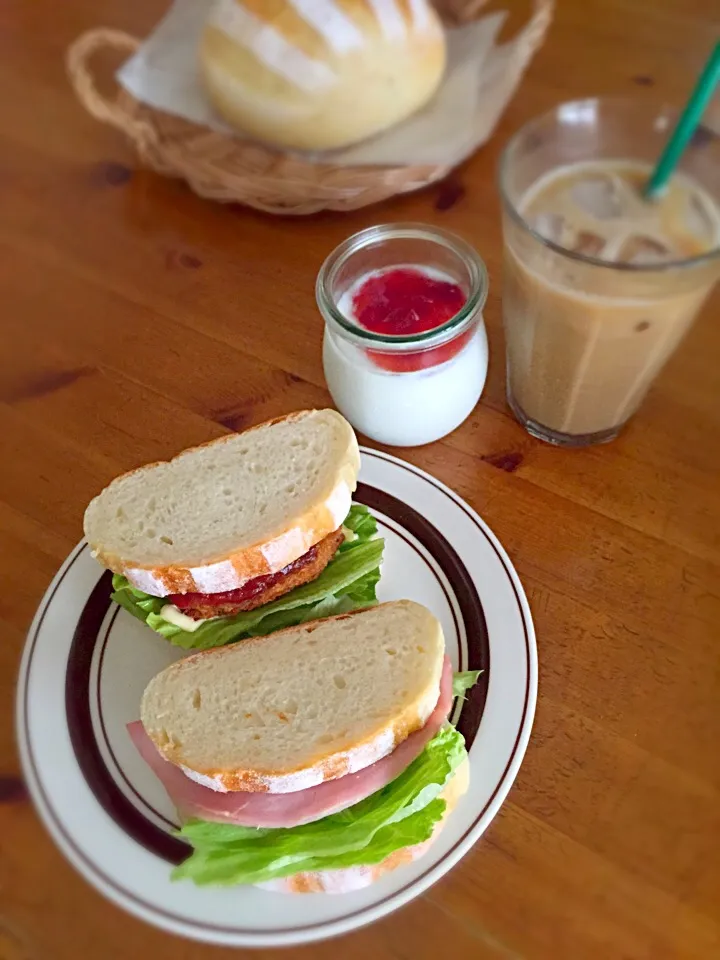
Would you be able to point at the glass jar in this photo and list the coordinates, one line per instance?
(404, 389)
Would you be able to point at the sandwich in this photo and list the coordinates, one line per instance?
(244, 535)
(315, 759)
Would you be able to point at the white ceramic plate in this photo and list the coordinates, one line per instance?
(87, 662)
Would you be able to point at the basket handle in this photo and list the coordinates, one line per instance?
(532, 36)
(104, 109)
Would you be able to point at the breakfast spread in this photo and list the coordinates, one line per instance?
(309, 743)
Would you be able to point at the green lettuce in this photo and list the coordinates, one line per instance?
(463, 681)
(347, 583)
(399, 815)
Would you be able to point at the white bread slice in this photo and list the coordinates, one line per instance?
(236, 508)
(356, 878)
(311, 703)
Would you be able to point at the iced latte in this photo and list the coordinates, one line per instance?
(600, 286)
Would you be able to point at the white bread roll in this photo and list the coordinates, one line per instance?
(239, 507)
(320, 74)
(285, 712)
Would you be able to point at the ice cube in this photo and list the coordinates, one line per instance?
(699, 220)
(550, 226)
(645, 251)
(588, 243)
(599, 196)
(554, 226)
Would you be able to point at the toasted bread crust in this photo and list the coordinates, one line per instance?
(325, 551)
(355, 878)
(320, 766)
(230, 571)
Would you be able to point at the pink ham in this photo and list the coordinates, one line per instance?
(291, 809)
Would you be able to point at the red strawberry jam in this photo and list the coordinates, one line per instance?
(404, 301)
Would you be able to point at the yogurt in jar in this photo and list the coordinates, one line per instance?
(411, 363)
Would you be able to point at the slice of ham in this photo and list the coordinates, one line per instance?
(303, 806)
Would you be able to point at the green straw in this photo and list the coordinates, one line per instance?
(686, 126)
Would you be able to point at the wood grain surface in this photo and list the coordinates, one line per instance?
(138, 319)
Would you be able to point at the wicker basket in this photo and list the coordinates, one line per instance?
(232, 170)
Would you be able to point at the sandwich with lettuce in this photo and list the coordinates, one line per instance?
(245, 535)
(315, 759)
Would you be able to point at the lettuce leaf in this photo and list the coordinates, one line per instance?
(361, 522)
(347, 583)
(463, 681)
(401, 814)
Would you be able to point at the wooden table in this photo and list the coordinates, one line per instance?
(138, 319)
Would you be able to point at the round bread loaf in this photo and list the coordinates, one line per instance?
(320, 74)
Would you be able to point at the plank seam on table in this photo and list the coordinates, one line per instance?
(619, 868)
(90, 277)
(315, 382)
(487, 939)
(117, 376)
(58, 257)
(120, 376)
(645, 754)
